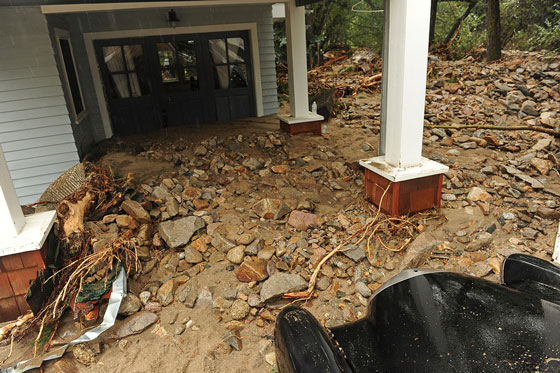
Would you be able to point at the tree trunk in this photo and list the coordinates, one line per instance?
(433, 17)
(493, 30)
(459, 22)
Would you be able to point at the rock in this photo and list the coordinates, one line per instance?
(419, 251)
(192, 255)
(236, 254)
(508, 215)
(280, 169)
(187, 294)
(252, 164)
(161, 192)
(165, 293)
(530, 233)
(245, 238)
(448, 197)
(84, 354)
(172, 207)
(200, 150)
(542, 144)
(482, 241)
(281, 283)
(177, 233)
(221, 243)
(126, 221)
(548, 213)
(271, 208)
(266, 253)
(478, 194)
(136, 323)
(528, 107)
(136, 210)
(480, 269)
(541, 165)
(153, 307)
(469, 145)
(130, 305)
(205, 297)
(363, 289)
(254, 247)
(145, 297)
(65, 365)
(339, 169)
(252, 269)
(231, 338)
(239, 309)
(303, 220)
(356, 253)
(143, 253)
(323, 283)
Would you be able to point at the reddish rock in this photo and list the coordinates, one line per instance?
(252, 269)
(190, 193)
(280, 169)
(201, 204)
(303, 220)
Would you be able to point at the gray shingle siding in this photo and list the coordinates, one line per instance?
(35, 130)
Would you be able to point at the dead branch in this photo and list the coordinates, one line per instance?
(548, 131)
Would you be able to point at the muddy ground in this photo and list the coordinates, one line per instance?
(488, 212)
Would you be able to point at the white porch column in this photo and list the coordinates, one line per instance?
(297, 59)
(406, 65)
(11, 216)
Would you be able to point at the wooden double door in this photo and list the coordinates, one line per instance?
(173, 80)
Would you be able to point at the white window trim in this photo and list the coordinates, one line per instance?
(64, 34)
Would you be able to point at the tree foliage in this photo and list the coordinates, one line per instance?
(332, 24)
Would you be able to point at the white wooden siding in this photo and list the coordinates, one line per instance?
(35, 130)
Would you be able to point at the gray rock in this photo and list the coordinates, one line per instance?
(254, 300)
(254, 247)
(177, 233)
(483, 240)
(363, 289)
(448, 197)
(530, 233)
(130, 305)
(136, 324)
(281, 283)
(323, 283)
(356, 254)
(508, 215)
(419, 251)
(161, 192)
(188, 293)
(252, 164)
(528, 107)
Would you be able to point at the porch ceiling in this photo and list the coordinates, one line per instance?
(54, 7)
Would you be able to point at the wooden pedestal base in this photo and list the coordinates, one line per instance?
(403, 197)
(16, 271)
(302, 127)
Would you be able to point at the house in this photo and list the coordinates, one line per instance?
(73, 73)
